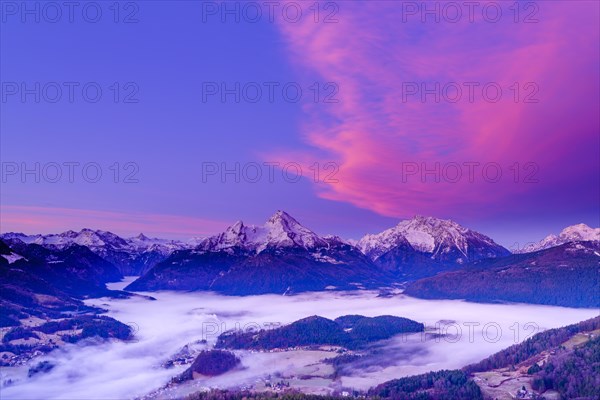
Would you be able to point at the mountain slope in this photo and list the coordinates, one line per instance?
(280, 257)
(567, 275)
(75, 269)
(46, 283)
(424, 246)
(559, 363)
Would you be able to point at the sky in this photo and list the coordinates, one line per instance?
(178, 118)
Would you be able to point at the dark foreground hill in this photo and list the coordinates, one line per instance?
(210, 363)
(351, 332)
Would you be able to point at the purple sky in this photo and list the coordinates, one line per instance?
(368, 118)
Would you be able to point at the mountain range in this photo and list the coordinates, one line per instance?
(574, 233)
(132, 256)
(283, 256)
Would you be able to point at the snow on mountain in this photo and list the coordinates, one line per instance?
(573, 233)
(12, 257)
(138, 254)
(443, 240)
(132, 256)
(9, 255)
(97, 239)
(375, 245)
(439, 240)
(281, 256)
(280, 231)
(165, 246)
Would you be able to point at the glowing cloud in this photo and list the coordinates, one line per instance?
(386, 137)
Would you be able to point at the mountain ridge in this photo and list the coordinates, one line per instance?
(132, 256)
(573, 233)
(565, 275)
(443, 240)
(283, 256)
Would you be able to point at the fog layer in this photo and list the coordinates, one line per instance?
(117, 370)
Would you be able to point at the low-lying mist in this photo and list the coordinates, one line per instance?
(118, 370)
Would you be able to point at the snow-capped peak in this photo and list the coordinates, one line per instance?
(142, 237)
(283, 230)
(434, 236)
(280, 230)
(580, 232)
(422, 233)
(430, 235)
(85, 237)
(573, 233)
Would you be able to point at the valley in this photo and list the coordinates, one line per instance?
(175, 319)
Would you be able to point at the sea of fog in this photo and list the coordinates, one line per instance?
(118, 370)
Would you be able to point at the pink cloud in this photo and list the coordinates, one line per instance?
(373, 134)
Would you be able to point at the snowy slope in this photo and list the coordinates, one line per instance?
(280, 231)
(132, 256)
(573, 233)
(281, 256)
(97, 239)
(443, 240)
(12, 257)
